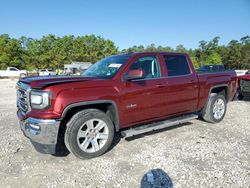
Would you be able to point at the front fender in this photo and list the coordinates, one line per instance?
(113, 108)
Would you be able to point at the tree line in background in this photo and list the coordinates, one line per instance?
(234, 55)
(53, 52)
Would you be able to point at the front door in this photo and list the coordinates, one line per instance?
(141, 98)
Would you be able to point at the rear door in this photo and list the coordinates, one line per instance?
(181, 85)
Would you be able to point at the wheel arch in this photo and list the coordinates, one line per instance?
(107, 106)
(221, 89)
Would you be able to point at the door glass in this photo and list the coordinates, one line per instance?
(149, 65)
(177, 65)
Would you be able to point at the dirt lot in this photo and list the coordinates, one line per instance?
(197, 154)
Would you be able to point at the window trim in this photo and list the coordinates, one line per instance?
(145, 79)
(183, 75)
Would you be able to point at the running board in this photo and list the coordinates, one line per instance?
(158, 125)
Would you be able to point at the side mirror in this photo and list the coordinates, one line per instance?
(134, 74)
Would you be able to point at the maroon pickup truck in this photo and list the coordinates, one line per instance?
(128, 93)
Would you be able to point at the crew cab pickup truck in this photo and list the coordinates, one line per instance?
(13, 72)
(128, 93)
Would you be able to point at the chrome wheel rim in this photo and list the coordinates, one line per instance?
(218, 109)
(92, 135)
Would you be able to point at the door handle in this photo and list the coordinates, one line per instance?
(193, 82)
(159, 85)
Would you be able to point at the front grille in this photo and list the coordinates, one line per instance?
(23, 97)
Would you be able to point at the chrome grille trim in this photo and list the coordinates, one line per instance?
(23, 94)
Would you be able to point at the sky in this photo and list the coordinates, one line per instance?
(131, 22)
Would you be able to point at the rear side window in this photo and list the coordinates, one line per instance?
(177, 65)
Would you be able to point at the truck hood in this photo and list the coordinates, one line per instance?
(39, 82)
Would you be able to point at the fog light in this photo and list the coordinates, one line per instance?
(32, 129)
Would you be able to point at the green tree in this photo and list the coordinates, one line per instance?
(245, 51)
(193, 57)
(212, 45)
(213, 58)
(180, 48)
(234, 59)
(245, 40)
(10, 52)
(151, 48)
(91, 48)
(245, 54)
(53, 52)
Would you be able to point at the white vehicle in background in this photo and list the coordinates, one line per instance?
(241, 72)
(47, 72)
(13, 72)
(76, 68)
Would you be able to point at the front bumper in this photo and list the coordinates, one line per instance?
(42, 133)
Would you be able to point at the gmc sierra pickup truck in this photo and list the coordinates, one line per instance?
(129, 93)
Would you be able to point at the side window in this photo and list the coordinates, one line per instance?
(12, 69)
(149, 65)
(177, 65)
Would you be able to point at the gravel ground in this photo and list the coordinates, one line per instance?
(196, 154)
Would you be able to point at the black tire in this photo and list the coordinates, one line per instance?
(240, 97)
(74, 125)
(208, 114)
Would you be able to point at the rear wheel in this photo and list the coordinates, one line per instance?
(215, 109)
(89, 133)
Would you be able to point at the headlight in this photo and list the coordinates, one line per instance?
(39, 99)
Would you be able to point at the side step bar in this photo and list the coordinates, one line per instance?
(158, 125)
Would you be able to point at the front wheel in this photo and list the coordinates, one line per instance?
(89, 133)
(215, 109)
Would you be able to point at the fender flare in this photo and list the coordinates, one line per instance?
(218, 86)
(112, 103)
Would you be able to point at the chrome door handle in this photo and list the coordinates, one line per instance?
(159, 86)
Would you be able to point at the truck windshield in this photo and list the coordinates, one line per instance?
(107, 68)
